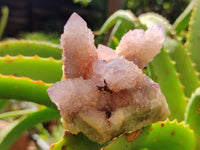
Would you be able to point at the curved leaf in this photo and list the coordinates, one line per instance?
(150, 19)
(175, 136)
(184, 65)
(30, 48)
(193, 44)
(25, 89)
(123, 15)
(10, 134)
(166, 76)
(188, 76)
(192, 115)
(36, 68)
(123, 21)
(161, 135)
(118, 31)
(16, 113)
(3, 20)
(75, 142)
(182, 22)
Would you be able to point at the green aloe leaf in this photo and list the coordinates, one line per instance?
(10, 134)
(129, 141)
(161, 135)
(30, 48)
(188, 75)
(36, 68)
(123, 21)
(16, 113)
(25, 89)
(193, 44)
(192, 115)
(118, 31)
(162, 70)
(75, 142)
(165, 74)
(3, 20)
(182, 21)
(123, 15)
(175, 136)
(150, 19)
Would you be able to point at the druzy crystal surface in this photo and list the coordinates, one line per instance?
(104, 92)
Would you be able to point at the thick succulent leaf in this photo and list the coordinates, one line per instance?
(151, 72)
(193, 44)
(118, 31)
(30, 48)
(25, 89)
(192, 115)
(150, 19)
(36, 68)
(10, 134)
(197, 142)
(162, 69)
(161, 135)
(130, 141)
(123, 21)
(170, 135)
(170, 85)
(16, 113)
(188, 76)
(75, 142)
(123, 15)
(182, 22)
(3, 20)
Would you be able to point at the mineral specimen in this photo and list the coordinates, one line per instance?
(105, 92)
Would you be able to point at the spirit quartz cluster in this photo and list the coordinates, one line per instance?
(104, 93)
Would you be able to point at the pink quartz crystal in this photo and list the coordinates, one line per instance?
(119, 74)
(78, 46)
(142, 46)
(106, 93)
(106, 53)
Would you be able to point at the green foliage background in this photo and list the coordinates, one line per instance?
(176, 69)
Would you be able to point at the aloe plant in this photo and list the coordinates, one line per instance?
(175, 69)
(3, 20)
